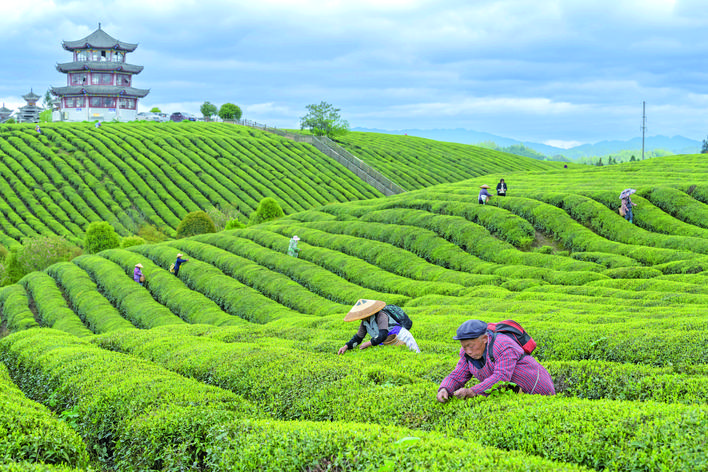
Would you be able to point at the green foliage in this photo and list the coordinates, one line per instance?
(268, 209)
(155, 110)
(208, 110)
(234, 224)
(45, 116)
(31, 433)
(229, 111)
(129, 241)
(324, 120)
(222, 216)
(151, 234)
(196, 222)
(118, 397)
(100, 235)
(10, 121)
(50, 305)
(37, 253)
(415, 163)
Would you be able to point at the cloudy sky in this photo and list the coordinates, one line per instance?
(560, 72)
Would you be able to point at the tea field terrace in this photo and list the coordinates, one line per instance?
(131, 174)
(415, 163)
(233, 366)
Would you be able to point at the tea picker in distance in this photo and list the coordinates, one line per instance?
(174, 268)
(387, 325)
(627, 204)
(484, 195)
(492, 353)
(501, 188)
(138, 274)
(293, 250)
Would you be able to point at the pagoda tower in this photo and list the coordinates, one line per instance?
(99, 81)
(4, 113)
(30, 112)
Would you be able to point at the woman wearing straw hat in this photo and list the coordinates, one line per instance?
(380, 326)
(138, 274)
(179, 262)
(484, 195)
(293, 250)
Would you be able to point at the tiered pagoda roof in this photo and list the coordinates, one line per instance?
(99, 66)
(31, 97)
(100, 90)
(99, 39)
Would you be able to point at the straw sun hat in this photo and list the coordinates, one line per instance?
(295, 238)
(179, 255)
(363, 309)
(484, 186)
(139, 265)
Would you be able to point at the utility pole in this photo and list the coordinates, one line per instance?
(644, 125)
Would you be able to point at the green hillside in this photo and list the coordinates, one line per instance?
(415, 163)
(131, 174)
(233, 365)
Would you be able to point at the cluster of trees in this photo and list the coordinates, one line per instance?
(228, 111)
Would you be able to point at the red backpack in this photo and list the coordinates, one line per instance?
(514, 330)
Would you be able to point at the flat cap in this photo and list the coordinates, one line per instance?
(471, 329)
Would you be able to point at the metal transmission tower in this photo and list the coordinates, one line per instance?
(644, 125)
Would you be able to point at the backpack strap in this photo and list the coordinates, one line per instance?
(490, 347)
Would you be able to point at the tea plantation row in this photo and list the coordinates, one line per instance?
(233, 366)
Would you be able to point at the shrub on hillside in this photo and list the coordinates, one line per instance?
(196, 222)
(132, 241)
(268, 209)
(100, 235)
(151, 234)
(234, 224)
(36, 254)
(224, 215)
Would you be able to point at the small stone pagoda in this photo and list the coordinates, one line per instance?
(4, 113)
(30, 112)
(99, 81)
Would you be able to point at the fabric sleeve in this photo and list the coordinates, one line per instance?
(383, 334)
(382, 322)
(504, 366)
(356, 339)
(458, 377)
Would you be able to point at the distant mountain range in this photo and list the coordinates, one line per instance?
(675, 144)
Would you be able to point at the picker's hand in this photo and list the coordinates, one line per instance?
(365, 344)
(465, 393)
(443, 395)
(343, 349)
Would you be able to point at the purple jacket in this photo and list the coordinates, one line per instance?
(137, 274)
(527, 373)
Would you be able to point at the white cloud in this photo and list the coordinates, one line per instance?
(562, 144)
(560, 70)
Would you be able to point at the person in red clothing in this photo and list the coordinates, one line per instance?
(510, 364)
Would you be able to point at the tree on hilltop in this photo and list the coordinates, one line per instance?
(155, 110)
(208, 109)
(324, 120)
(229, 111)
(704, 148)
